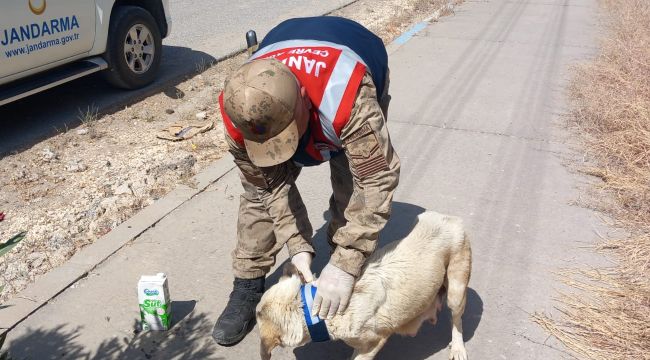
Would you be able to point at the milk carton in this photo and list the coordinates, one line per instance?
(155, 305)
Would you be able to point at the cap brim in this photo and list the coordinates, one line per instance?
(275, 150)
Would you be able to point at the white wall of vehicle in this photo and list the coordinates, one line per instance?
(35, 34)
(168, 17)
(103, 13)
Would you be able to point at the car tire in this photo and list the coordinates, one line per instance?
(134, 48)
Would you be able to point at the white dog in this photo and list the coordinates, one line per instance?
(401, 286)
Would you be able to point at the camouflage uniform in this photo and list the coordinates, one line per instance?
(271, 211)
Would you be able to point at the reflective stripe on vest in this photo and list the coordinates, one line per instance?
(314, 62)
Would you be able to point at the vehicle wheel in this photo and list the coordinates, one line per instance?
(134, 48)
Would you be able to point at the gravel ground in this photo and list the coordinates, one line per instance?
(71, 189)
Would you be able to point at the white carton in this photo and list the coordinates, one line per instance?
(155, 305)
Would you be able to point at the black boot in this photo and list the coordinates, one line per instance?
(238, 318)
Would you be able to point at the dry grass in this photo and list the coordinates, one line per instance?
(609, 316)
(404, 12)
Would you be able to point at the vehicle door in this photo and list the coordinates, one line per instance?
(34, 33)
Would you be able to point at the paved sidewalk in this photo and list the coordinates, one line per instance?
(476, 102)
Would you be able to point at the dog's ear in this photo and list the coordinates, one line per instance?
(290, 270)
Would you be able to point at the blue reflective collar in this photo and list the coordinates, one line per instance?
(316, 326)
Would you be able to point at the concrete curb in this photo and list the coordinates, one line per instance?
(48, 286)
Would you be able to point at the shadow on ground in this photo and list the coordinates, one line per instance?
(187, 339)
(37, 117)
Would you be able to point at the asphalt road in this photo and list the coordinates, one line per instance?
(203, 30)
(475, 119)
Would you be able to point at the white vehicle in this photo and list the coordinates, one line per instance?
(45, 43)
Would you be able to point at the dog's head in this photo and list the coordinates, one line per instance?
(279, 314)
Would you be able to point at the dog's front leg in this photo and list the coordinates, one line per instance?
(266, 347)
(368, 352)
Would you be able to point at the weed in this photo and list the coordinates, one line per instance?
(203, 65)
(89, 119)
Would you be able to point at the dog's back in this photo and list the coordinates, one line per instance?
(402, 279)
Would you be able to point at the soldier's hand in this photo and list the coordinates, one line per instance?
(302, 261)
(334, 288)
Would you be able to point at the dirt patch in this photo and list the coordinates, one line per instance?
(388, 19)
(609, 316)
(71, 189)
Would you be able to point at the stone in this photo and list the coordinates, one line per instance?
(35, 260)
(49, 155)
(20, 174)
(202, 115)
(183, 164)
(83, 131)
(123, 189)
(76, 166)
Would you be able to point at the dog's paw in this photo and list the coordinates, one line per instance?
(457, 352)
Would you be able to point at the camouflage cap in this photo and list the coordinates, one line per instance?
(260, 99)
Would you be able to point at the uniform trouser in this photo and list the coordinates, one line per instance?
(257, 237)
(257, 243)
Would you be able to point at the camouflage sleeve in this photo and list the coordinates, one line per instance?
(276, 190)
(375, 169)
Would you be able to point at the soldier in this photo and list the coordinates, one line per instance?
(316, 91)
